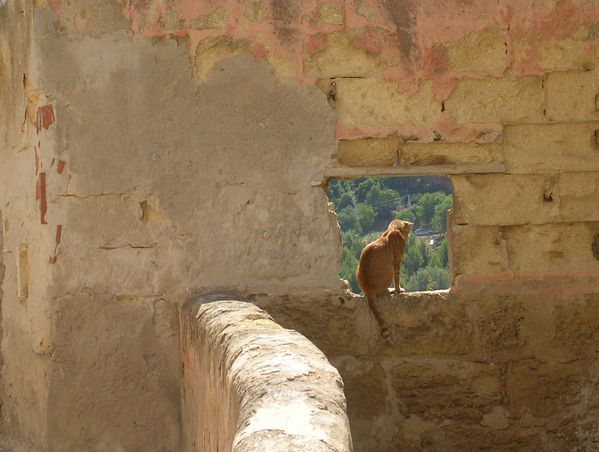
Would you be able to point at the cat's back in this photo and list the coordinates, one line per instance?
(375, 269)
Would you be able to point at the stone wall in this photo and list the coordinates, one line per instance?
(156, 149)
(464, 373)
(249, 384)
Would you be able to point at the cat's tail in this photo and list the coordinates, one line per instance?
(372, 304)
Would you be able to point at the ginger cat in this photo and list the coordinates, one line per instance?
(380, 264)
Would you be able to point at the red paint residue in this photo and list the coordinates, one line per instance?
(60, 166)
(42, 197)
(259, 51)
(37, 158)
(45, 117)
(369, 41)
(54, 256)
(54, 5)
(444, 86)
(434, 61)
(315, 45)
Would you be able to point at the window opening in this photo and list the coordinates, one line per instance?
(366, 206)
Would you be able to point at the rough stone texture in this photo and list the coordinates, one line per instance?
(375, 102)
(531, 386)
(572, 96)
(503, 199)
(211, 50)
(551, 148)
(579, 51)
(250, 385)
(446, 389)
(531, 251)
(449, 153)
(494, 383)
(482, 51)
(578, 191)
(502, 100)
(358, 53)
(368, 152)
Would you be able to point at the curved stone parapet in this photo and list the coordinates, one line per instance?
(251, 385)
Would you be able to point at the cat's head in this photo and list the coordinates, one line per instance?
(401, 225)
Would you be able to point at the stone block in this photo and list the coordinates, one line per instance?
(482, 51)
(477, 250)
(211, 50)
(500, 327)
(214, 20)
(355, 53)
(497, 100)
(368, 152)
(365, 9)
(427, 323)
(578, 194)
(539, 54)
(285, 65)
(572, 96)
(564, 249)
(496, 199)
(366, 101)
(256, 10)
(365, 386)
(540, 389)
(449, 153)
(446, 389)
(472, 436)
(574, 433)
(559, 248)
(552, 147)
(327, 12)
(576, 326)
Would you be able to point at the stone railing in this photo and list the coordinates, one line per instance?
(249, 384)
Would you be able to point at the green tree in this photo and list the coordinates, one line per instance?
(345, 200)
(439, 220)
(442, 253)
(364, 186)
(349, 264)
(348, 220)
(429, 278)
(366, 217)
(425, 211)
(413, 259)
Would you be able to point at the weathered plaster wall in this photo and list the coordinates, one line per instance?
(182, 146)
(25, 310)
(249, 384)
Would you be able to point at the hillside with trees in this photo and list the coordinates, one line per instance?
(366, 206)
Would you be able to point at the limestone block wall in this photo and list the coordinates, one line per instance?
(515, 372)
(156, 149)
(249, 384)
